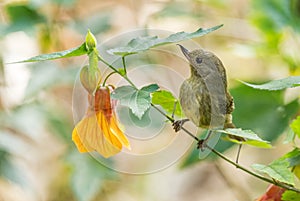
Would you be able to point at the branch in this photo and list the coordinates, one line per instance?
(282, 185)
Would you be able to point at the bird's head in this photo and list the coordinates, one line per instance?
(201, 61)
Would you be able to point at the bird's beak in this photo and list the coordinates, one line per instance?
(184, 51)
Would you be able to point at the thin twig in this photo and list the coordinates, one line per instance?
(116, 70)
(282, 185)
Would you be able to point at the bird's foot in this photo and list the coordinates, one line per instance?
(177, 125)
(201, 144)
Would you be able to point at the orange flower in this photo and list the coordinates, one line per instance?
(274, 193)
(99, 129)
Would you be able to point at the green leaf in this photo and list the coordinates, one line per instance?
(166, 100)
(249, 135)
(258, 144)
(295, 125)
(22, 17)
(290, 196)
(77, 51)
(139, 103)
(88, 176)
(138, 100)
(150, 88)
(293, 157)
(146, 42)
(274, 85)
(123, 93)
(296, 171)
(277, 170)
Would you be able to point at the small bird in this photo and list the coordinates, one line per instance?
(204, 97)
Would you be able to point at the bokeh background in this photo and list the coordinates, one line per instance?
(38, 162)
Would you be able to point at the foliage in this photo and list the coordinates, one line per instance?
(274, 85)
(268, 115)
(252, 138)
(144, 43)
(77, 51)
(166, 99)
(138, 101)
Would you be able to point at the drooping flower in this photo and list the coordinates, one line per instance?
(273, 193)
(99, 129)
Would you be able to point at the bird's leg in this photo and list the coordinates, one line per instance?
(177, 125)
(202, 143)
(174, 109)
(238, 154)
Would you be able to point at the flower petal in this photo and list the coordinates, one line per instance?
(89, 136)
(114, 127)
(81, 148)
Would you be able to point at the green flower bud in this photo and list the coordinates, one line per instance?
(89, 79)
(90, 41)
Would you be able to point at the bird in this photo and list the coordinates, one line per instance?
(204, 96)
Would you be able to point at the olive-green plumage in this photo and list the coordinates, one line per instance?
(204, 97)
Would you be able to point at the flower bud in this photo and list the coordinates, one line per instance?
(89, 79)
(90, 41)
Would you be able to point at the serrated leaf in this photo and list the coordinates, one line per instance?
(295, 126)
(166, 100)
(146, 42)
(139, 103)
(138, 100)
(275, 85)
(249, 135)
(290, 196)
(123, 93)
(150, 88)
(77, 51)
(277, 170)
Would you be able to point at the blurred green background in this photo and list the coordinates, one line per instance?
(259, 42)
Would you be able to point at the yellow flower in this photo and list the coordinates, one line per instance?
(99, 129)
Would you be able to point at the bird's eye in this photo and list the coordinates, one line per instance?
(199, 60)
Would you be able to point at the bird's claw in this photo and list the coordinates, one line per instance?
(202, 144)
(177, 125)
